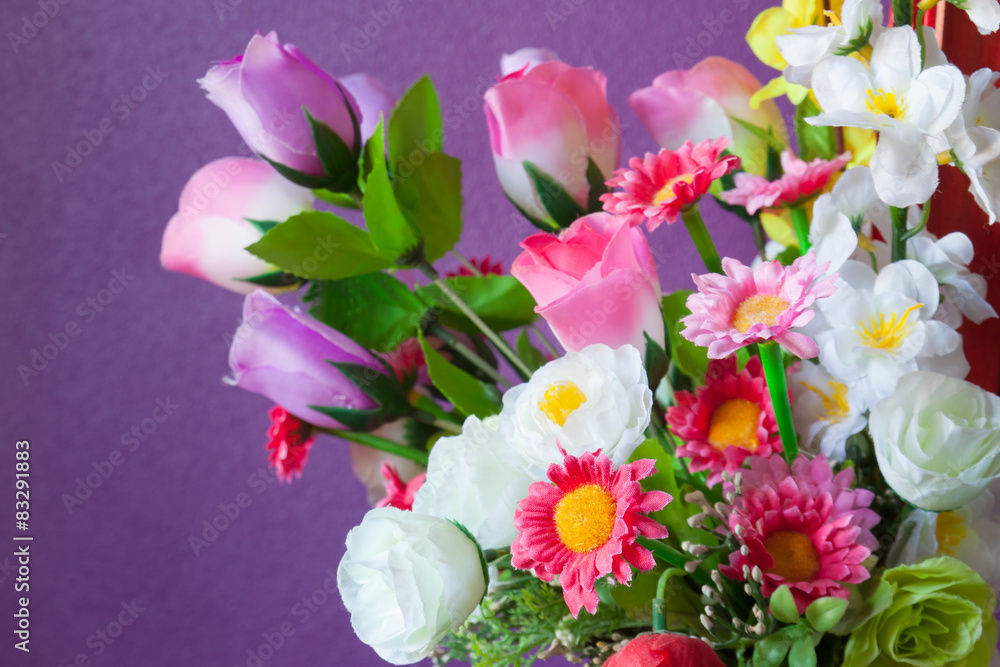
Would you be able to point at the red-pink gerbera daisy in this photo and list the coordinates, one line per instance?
(484, 266)
(289, 440)
(746, 306)
(800, 181)
(661, 185)
(806, 529)
(584, 525)
(399, 494)
(727, 420)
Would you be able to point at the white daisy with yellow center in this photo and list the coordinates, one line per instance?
(593, 399)
(879, 328)
(909, 106)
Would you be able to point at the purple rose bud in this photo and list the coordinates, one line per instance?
(284, 354)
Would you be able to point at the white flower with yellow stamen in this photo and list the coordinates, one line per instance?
(984, 13)
(974, 139)
(859, 22)
(826, 412)
(843, 221)
(593, 399)
(910, 107)
(879, 328)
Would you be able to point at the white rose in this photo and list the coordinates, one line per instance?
(408, 579)
(468, 482)
(593, 399)
(937, 440)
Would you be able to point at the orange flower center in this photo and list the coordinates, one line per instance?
(757, 309)
(950, 532)
(734, 424)
(585, 518)
(560, 400)
(795, 556)
(666, 193)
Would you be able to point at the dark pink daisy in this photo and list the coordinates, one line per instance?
(399, 494)
(726, 420)
(289, 441)
(800, 181)
(585, 523)
(746, 306)
(804, 528)
(660, 186)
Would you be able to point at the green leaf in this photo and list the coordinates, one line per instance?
(814, 141)
(341, 199)
(390, 231)
(264, 226)
(657, 363)
(597, 187)
(803, 654)
(320, 245)
(375, 310)
(339, 162)
(528, 353)
(463, 390)
(557, 202)
(902, 12)
(415, 126)
(691, 359)
(431, 199)
(310, 181)
(544, 225)
(787, 256)
(273, 279)
(673, 515)
(823, 614)
(759, 132)
(783, 606)
(501, 301)
(374, 153)
(859, 42)
(771, 651)
(389, 396)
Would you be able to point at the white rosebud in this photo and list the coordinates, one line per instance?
(593, 399)
(468, 482)
(937, 440)
(408, 579)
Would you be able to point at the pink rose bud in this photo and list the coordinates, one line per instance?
(264, 91)
(701, 103)
(594, 283)
(528, 57)
(208, 235)
(373, 98)
(556, 117)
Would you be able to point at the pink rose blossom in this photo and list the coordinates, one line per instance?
(800, 181)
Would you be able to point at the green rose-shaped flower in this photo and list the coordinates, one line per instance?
(935, 614)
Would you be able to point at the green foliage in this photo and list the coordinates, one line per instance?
(823, 614)
(464, 391)
(430, 195)
(389, 396)
(690, 358)
(375, 310)
(783, 606)
(339, 162)
(501, 301)
(675, 515)
(529, 354)
(598, 187)
(902, 12)
(415, 125)
(374, 152)
(814, 141)
(557, 202)
(390, 230)
(320, 245)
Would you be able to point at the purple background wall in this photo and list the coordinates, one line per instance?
(161, 339)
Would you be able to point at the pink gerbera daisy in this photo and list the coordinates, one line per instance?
(399, 494)
(801, 180)
(727, 420)
(584, 525)
(806, 529)
(289, 441)
(661, 185)
(742, 307)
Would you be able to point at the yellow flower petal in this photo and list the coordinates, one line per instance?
(770, 23)
(779, 228)
(809, 12)
(861, 143)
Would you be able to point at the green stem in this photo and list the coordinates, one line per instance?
(800, 222)
(919, 27)
(898, 233)
(470, 355)
(759, 240)
(659, 604)
(464, 261)
(665, 553)
(702, 239)
(388, 446)
(550, 348)
(910, 233)
(494, 337)
(774, 374)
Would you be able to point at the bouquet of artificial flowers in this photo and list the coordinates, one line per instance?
(783, 465)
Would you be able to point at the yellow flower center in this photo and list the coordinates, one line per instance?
(666, 193)
(759, 308)
(734, 424)
(795, 556)
(886, 104)
(585, 518)
(835, 406)
(561, 399)
(950, 532)
(886, 334)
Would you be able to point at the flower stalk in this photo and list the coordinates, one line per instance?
(777, 384)
(800, 222)
(695, 225)
(381, 444)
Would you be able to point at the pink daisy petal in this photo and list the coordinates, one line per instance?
(800, 182)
